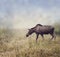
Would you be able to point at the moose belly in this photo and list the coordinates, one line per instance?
(43, 31)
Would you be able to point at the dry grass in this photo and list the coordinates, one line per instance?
(20, 46)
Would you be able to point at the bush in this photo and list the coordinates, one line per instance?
(57, 28)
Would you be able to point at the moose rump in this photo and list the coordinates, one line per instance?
(42, 29)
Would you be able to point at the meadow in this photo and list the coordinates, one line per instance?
(14, 43)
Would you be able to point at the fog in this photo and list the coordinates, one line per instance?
(28, 13)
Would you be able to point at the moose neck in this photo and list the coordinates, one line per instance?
(33, 29)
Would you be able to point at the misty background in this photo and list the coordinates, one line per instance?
(27, 13)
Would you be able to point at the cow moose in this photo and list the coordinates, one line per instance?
(42, 29)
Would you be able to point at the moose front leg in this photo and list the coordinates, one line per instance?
(37, 37)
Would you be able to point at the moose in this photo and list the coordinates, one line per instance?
(42, 29)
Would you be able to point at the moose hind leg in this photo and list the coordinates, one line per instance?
(42, 36)
(52, 36)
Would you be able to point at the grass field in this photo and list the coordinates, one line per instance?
(18, 45)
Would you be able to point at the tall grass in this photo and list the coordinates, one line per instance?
(13, 43)
(5, 37)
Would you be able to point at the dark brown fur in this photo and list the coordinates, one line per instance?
(41, 29)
